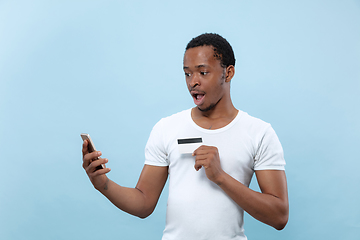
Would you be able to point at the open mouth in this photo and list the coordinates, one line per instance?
(198, 98)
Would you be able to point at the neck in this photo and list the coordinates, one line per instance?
(223, 109)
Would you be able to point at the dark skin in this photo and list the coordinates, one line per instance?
(209, 85)
(139, 201)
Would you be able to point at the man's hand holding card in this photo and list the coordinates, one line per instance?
(205, 156)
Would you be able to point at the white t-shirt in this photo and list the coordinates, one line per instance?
(197, 208)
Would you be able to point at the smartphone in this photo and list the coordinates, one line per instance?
(91, 147)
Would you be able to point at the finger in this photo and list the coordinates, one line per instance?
(199, 164)
(100, 172)
(90, 157)
(85, 149)
(197, 167)
(202, 157)
(94, 164)
(203, 149)
(197, 151)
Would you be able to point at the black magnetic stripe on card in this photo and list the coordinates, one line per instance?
(189, 140)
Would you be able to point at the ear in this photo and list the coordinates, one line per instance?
(230, 72)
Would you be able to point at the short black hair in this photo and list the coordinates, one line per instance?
(222, 48)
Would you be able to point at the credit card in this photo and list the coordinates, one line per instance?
(189, 145)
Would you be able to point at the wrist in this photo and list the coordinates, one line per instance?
(220, 179)
(103, 187)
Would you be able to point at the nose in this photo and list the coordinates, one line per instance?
(194, 81)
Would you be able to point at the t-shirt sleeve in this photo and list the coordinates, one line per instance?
(270, 154)
(155, 150)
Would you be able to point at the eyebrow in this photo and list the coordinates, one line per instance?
(198, 66)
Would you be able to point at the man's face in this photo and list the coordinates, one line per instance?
(205, 77)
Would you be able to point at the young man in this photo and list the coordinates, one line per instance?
(208, 189)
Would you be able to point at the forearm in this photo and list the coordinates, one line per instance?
(130, 200)
(264, 207)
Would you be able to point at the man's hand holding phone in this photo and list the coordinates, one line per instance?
(94, 165)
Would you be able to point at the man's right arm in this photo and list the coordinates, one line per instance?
(139, 201)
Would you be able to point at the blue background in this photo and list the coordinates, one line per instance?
(114, 68)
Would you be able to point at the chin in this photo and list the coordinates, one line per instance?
(207, 109)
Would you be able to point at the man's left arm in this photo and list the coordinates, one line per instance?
(271, 206)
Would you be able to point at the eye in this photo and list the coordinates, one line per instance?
(203, 73)
(187, 74)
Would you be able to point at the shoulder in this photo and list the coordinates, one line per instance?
(167, 127)
(174, 119)
(251, 123)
